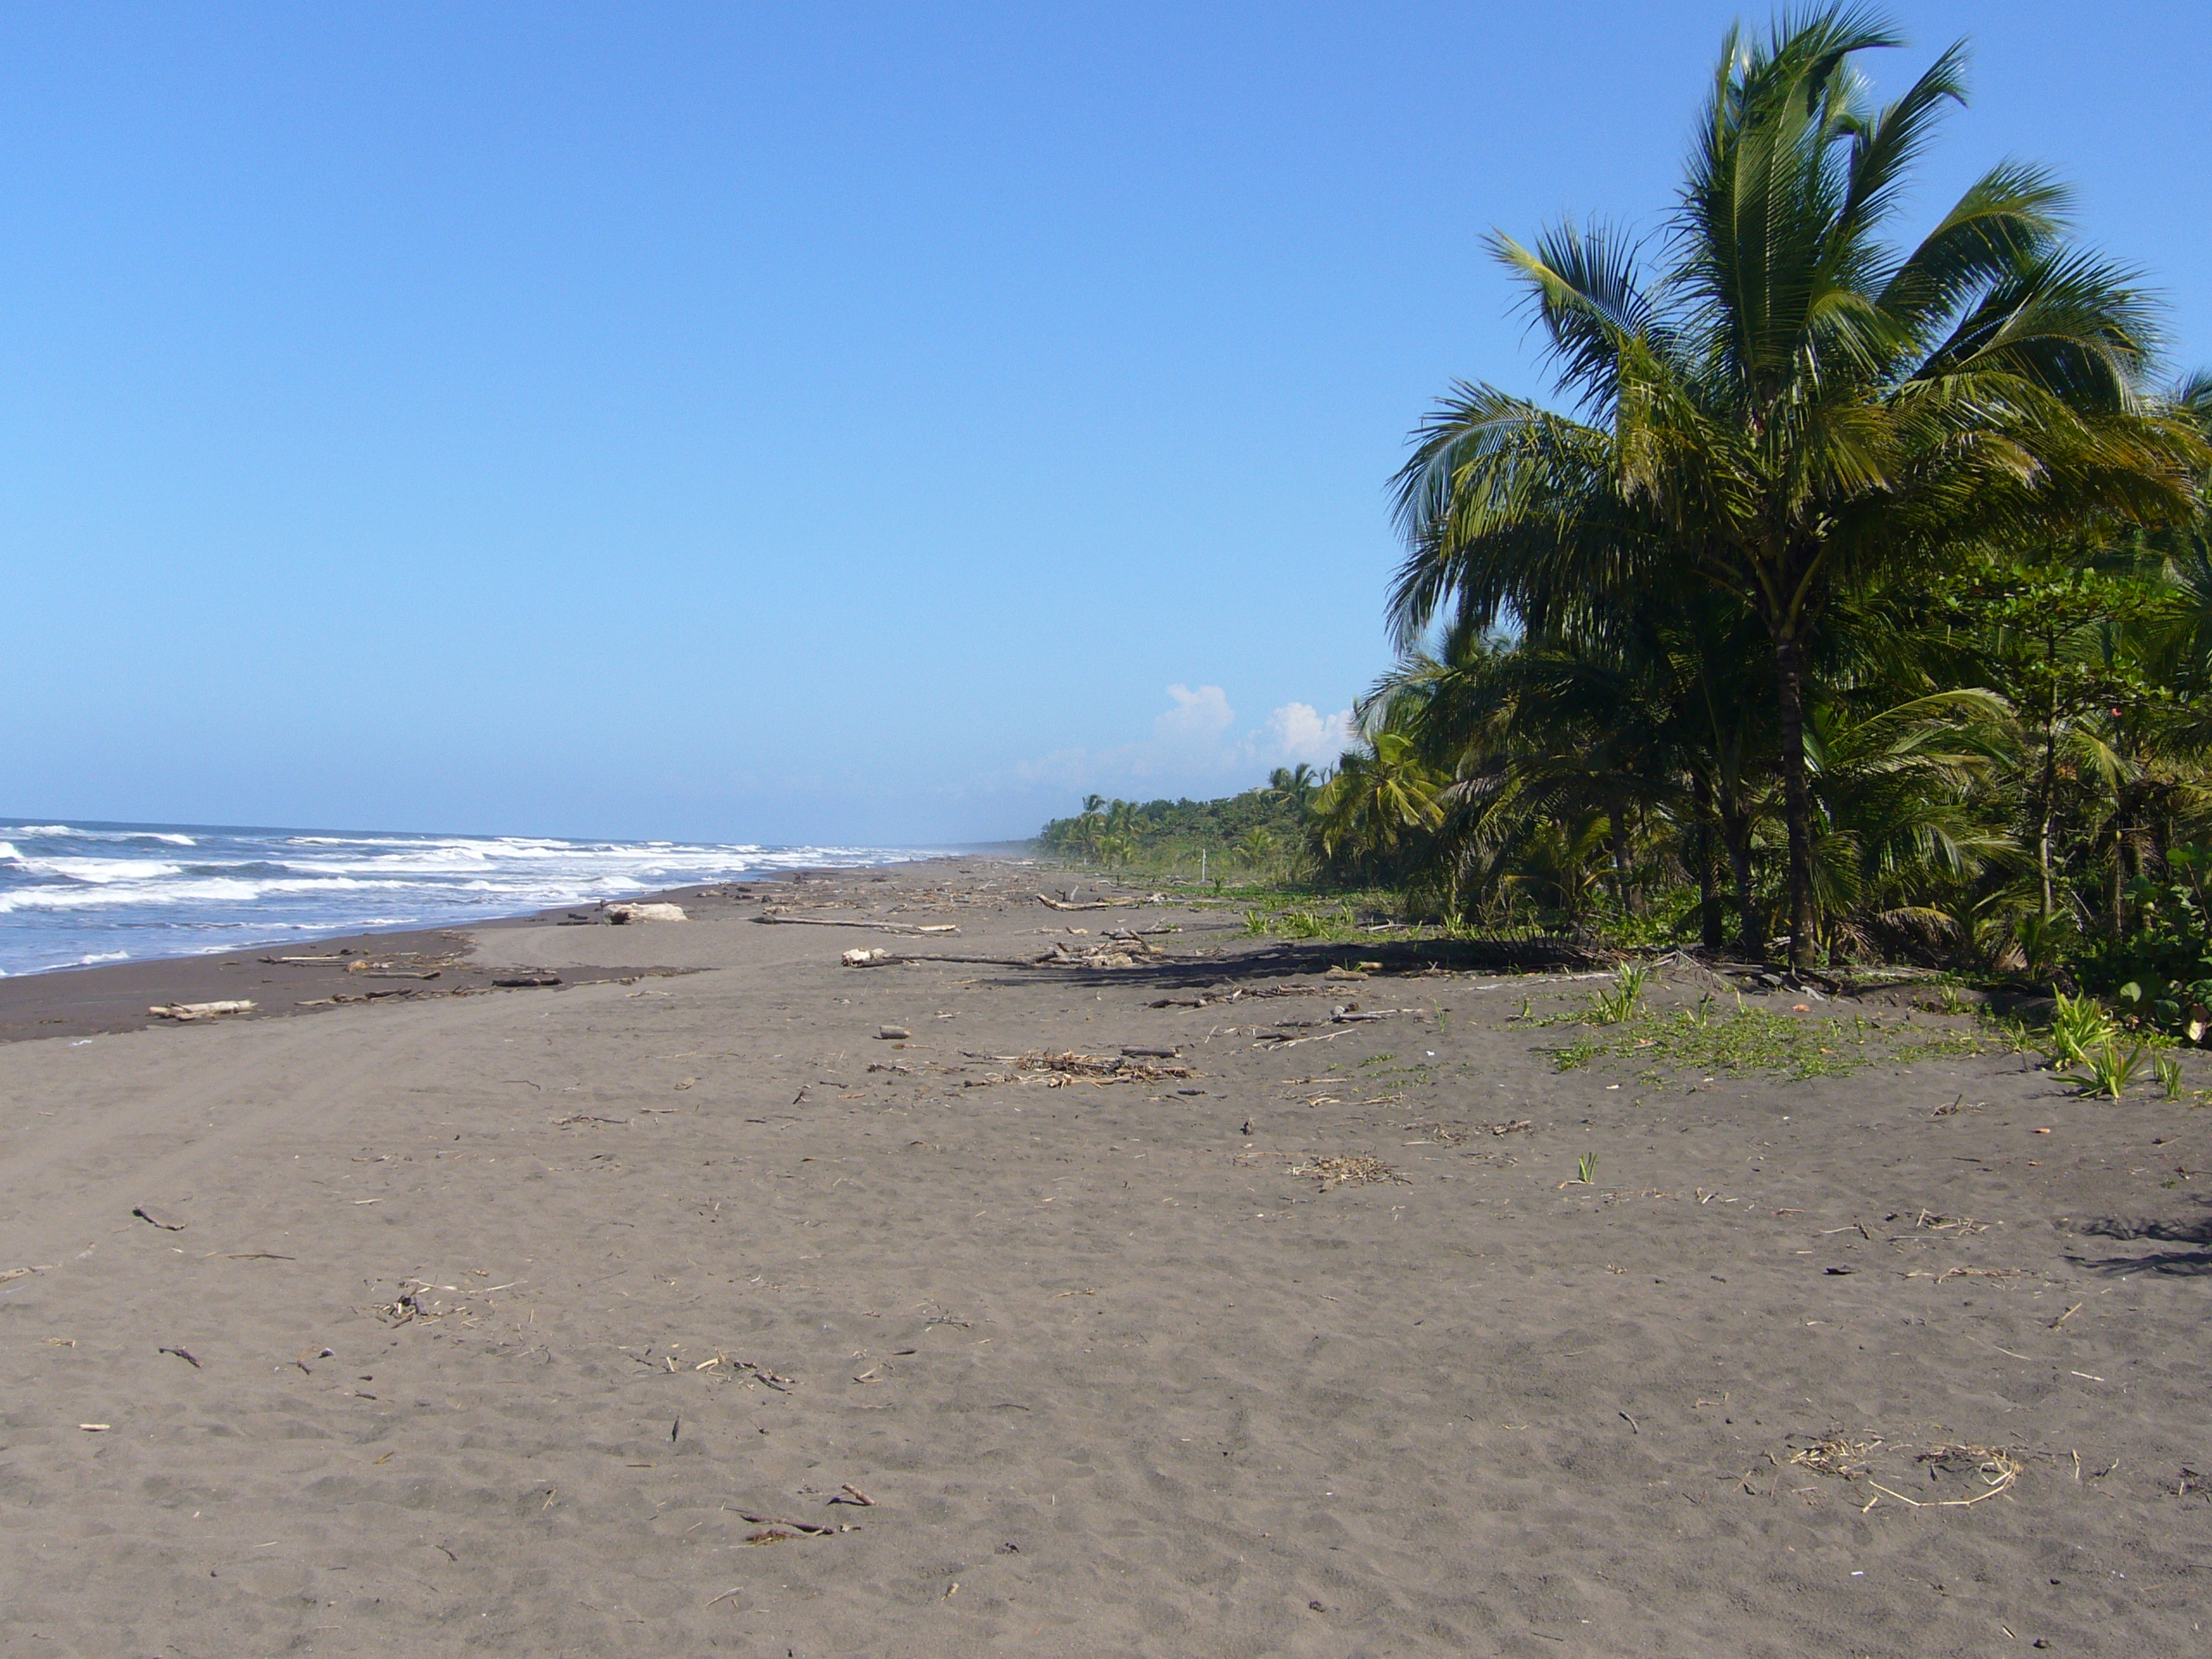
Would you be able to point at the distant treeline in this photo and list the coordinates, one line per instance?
(1254, 824)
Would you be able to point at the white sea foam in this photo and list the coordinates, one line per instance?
(106, 892)
(101, 869)
(169, 837)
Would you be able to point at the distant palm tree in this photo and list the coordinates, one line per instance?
(1792, 407)
(1256, 846)
(1297, 784)
(1384, 797)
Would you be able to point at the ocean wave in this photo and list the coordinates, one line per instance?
(64, 832)
(98, 870)
(217, 892)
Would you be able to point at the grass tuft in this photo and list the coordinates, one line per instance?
(2110, 1071)
(1752, 1039)
(2079, 1027)
(1621, 1003)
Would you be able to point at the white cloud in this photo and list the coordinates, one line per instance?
(1298, 731)
(1197, 718)
(1194, 750)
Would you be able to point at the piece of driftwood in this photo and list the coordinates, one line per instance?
(888, 959)
(622, 914)
(772, 919)
(183, 1010)
(1096, 903)
(516, 981)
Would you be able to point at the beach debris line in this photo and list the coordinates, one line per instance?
(185, 1012)
(1119, 947)
(1102, 904)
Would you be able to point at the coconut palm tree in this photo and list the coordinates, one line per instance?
(1381, 801)
(1788, 406)
(1296, 785)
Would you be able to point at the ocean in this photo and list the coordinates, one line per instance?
(76, 895)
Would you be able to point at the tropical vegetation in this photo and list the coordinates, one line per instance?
(1852, 599)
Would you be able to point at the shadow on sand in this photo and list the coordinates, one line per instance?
(2197, 1232)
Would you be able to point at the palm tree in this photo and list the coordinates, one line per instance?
(1791, 407)
(1297, 784)
(1255, 847)
(1381, 801)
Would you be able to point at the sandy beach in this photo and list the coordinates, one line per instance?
(723, 1297)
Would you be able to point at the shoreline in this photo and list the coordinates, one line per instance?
(109, 997)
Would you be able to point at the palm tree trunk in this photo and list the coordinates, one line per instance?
(1751, 926)
(2047, 802)
(1708, 886)
(1619, 818)
(1796, 793)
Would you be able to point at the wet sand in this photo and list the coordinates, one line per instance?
(580, 1318)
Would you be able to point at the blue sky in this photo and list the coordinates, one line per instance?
(873, 423)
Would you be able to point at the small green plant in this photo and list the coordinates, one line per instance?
(1620, 1004)
(1947, 1001)
(1586, 1171)
(2111, 1072)
(2169, 1070)
(2079, 1029)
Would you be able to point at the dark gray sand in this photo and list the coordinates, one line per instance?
(583, 1319)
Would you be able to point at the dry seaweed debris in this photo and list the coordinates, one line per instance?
(1351, 1169)
(723, 1365)
(1839, 1457)
(1996, 1468)
(1056, 1070)
(1836, 1455)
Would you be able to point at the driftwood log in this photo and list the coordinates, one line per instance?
(622, 914)
(855, 921)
